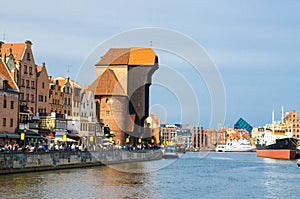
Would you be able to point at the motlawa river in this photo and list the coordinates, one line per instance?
(194, 175)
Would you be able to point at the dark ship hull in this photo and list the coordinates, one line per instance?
(283, 149)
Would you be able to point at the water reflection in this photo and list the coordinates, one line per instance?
(100, 182)
(143, 167)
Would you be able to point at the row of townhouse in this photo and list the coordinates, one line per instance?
(192, 137)
(31, 100)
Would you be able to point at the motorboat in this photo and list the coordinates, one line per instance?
(170, 152)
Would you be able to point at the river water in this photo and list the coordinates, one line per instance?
(194, 175)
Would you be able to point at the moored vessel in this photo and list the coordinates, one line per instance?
(276, 140)
(283, 148)
(236, 146)
(170, 152)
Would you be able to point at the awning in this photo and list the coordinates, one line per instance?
(31, 134)
(9, 135)
(59, 139)
(60, 133)
(73, 136)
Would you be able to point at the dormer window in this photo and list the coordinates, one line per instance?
(28, 56)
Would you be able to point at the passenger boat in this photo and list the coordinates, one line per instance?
(170, 152)
(236, 146)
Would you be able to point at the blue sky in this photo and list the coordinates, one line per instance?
(254, 44)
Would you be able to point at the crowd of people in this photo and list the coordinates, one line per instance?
(40, 147)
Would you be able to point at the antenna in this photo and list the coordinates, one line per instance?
(68, 71)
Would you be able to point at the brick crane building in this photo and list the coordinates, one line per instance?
(122, 91)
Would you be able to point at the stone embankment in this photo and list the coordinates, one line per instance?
(42, 161)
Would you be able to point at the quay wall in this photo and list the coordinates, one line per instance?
(41, 161)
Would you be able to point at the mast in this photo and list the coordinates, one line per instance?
(282, 114)
(273, 121)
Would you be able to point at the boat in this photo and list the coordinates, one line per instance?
(242, 145)
(298, 163)
(276, 142)
(283, 148)
(170, 152)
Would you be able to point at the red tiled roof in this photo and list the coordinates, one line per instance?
(128, 56)
(5, 75)
(107, 84)
(17, 50)
(142, 56)
(39, 68)
(61, 82)
(115, 56)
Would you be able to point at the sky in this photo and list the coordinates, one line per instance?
(254, 46)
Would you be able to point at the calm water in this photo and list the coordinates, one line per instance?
(217, 175)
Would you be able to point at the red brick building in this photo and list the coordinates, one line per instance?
(42, 90)
(292, 122)
(9, 103)
(26, 68)
(123, 102)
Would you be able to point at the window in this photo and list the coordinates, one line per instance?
(11, 123)
(4, 122)
(43, 85)
(27, 83)
(30, 70)
(107, 113)
(28, 56)
(69, 113)
(4, 102)
(11, 104)
(45, 98)
(41, 98)
(22, 95)
(76, 92)
(32, 98)
(69, 101)
(22, 82)
(25, 69)
(32, 84)
(27, 97)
